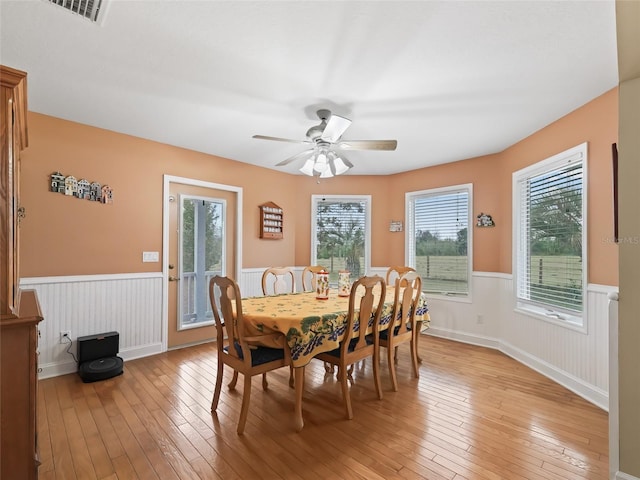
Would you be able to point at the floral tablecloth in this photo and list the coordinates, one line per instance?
(311, 326)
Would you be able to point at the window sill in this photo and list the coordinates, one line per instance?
(448, 297)
(571, 322)
(191, 326)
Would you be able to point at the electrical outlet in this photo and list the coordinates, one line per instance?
(480, 320)
(65, 336)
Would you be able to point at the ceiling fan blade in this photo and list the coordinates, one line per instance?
(336, 126)
(278, 139)
(367, 144)
(297, 156)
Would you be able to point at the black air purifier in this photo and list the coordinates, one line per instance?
(98, 357)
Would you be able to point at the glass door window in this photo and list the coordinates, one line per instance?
(202, 255)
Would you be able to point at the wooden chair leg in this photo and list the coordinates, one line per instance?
(345, 392)
(265, 384)
(392, 367)
(216, 391)
(234, 380)
(246, 398)
(414, 358)
(376, 374)
(415, 339)
(291, 380)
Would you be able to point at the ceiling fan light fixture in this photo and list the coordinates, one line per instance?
(339, 166)
(325, 164)
(326, 173)
(307, 168)
(321, 164)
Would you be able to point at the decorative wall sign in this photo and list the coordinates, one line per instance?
(395, 226)
(68, 185)
(484, 220)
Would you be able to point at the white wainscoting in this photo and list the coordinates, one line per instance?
(614, 412)
(251, 282)
(130, 304)
(577, 360)
(251, 279)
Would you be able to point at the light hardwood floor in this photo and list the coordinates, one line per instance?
(473, 413)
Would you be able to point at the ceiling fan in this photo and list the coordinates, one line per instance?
(321, 159)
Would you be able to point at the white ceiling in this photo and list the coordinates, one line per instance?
(448, 79)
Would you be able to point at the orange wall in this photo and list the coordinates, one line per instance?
(597, 124)
(67, 236)
(486, 198)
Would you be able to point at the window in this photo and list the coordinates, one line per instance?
(439, 239)
(202, 250)
(550, 236)
(340, 234)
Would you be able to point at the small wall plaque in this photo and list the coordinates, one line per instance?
(484, 220)
(395, 226)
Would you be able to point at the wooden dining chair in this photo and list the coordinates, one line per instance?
(277, 280)
(309, 275)
(397, 271)
(408, 289)
(357, 345)
(241, 352)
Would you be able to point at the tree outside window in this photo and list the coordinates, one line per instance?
(340, 230)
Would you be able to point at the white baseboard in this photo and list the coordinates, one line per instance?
(473, 339)
(577, 386)
(140, 351)
(48, 370)
(192, 344)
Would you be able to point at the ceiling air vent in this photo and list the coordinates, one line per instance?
(89, 9)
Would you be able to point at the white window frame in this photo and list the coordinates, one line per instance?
(367, 227)
(550, 313)
(410, 233)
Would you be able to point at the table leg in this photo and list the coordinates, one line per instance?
(299, 381)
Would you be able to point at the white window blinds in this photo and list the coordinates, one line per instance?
(551, 236)
(438, 239)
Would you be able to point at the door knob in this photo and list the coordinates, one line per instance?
(173, 279)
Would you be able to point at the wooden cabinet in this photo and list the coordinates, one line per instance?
(19, 310)
(271, 221)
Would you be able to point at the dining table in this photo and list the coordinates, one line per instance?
(311, 326)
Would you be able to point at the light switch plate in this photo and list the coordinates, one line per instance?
(150, 256)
